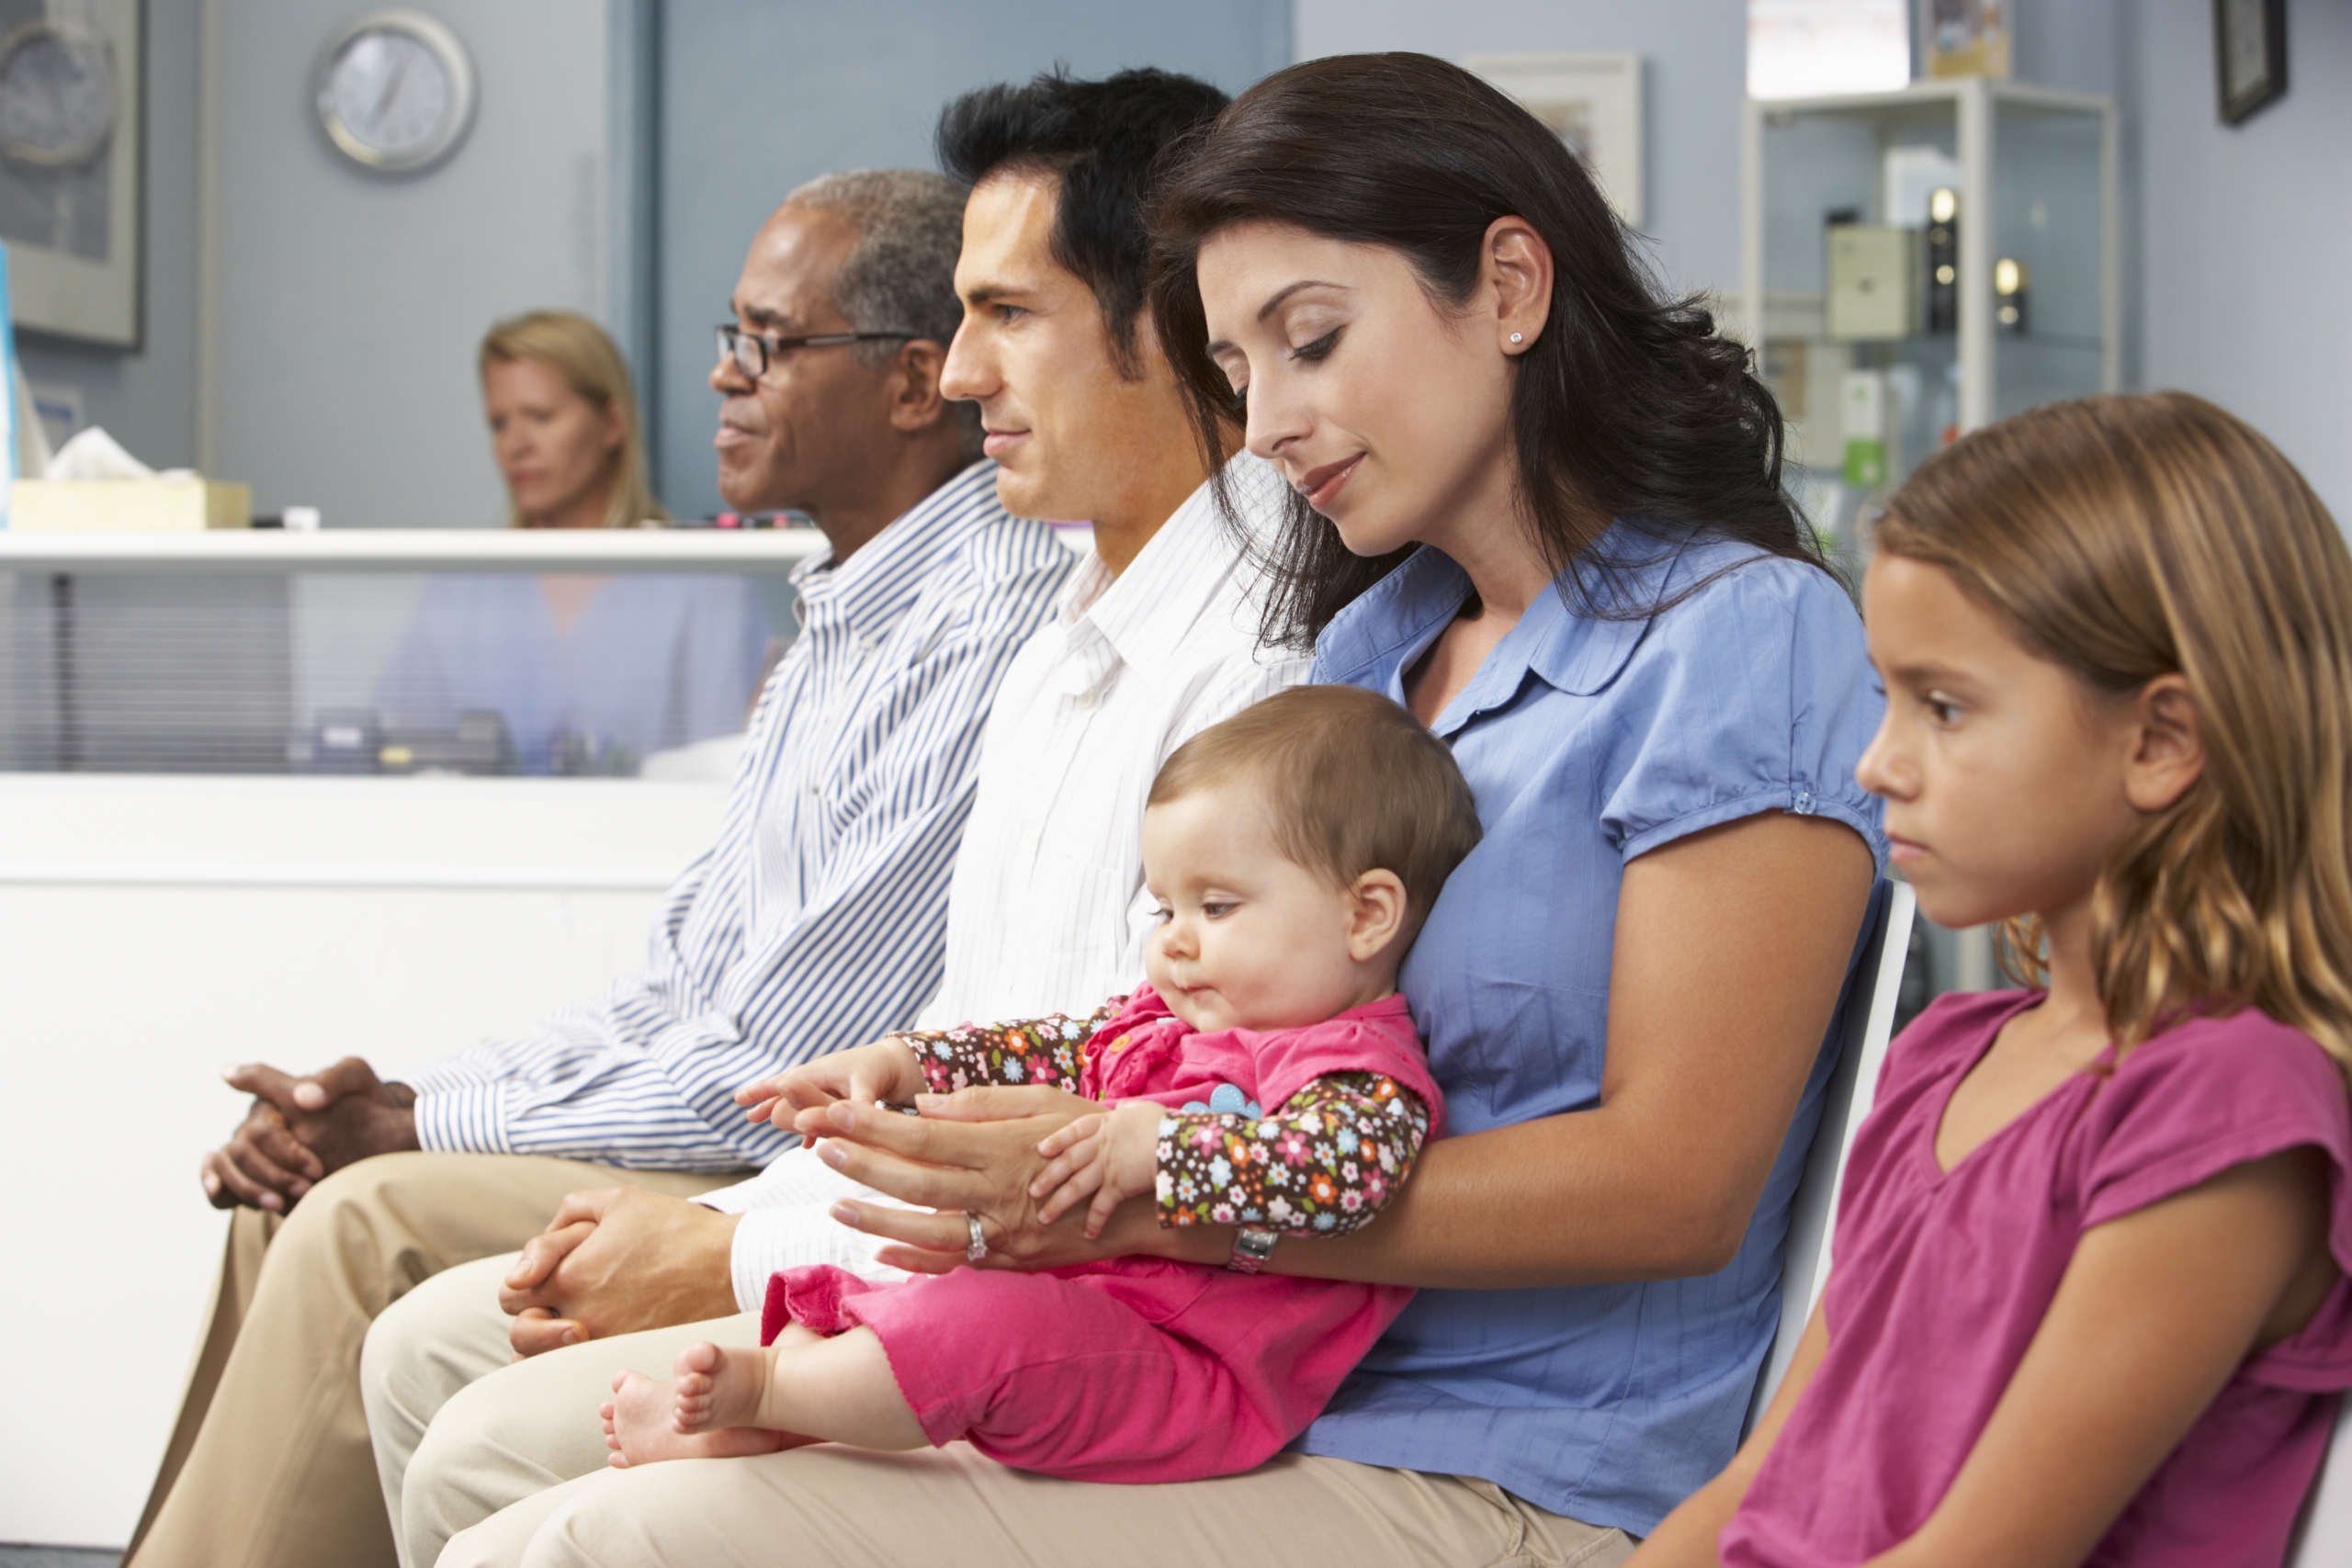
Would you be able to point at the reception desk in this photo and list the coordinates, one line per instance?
(203, 891)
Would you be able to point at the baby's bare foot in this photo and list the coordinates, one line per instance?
(640, 1428)
(717, 1388)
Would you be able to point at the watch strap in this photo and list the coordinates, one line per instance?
(1252, 1246)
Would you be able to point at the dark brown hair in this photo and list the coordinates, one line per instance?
(1627, 406)
(1098, 139)
(2128, 537)
(1352, 781)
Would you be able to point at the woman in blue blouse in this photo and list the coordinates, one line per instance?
(1539, 506)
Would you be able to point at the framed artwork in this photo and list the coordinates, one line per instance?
(1593, 101)
(70, 145)
(2249, 54)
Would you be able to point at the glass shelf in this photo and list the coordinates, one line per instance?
(2039, 168)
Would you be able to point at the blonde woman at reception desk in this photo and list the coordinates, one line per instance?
(586, 674)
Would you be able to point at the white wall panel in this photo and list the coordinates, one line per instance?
(152, 930)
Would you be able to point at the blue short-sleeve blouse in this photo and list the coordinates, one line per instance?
(1586, 741)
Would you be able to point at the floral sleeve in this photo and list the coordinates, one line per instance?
(1321, 1165)
(1045, 1050)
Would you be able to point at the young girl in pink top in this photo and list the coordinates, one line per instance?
(1293, 850)
(2090, 1300)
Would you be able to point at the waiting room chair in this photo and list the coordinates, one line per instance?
(2323, 1538)
(1861, 1051)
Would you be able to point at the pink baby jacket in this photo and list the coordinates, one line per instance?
(1940, 1280)
(1138, 1369)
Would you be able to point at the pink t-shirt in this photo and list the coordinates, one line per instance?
(1940, 1281)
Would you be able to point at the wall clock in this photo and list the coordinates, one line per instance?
(395, 91)
(57, 95)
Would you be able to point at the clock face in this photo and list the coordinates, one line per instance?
(395, 91)
(56, 96)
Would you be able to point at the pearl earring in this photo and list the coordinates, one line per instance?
(1514, 337)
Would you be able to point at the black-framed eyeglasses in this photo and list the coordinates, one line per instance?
(751, 353)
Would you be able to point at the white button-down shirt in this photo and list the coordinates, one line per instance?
(1046, 912)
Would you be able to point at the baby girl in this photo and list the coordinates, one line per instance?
(1294, 851)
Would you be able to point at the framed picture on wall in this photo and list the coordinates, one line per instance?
(1593, 101)
(70, 80)
(2249, 54)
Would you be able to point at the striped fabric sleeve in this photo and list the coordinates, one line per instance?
(864, 953)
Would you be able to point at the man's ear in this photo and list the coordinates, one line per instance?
(916, 403)
(1379, 914)
(2167, 744)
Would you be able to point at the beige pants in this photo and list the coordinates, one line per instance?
(453, 1443)
(833, 1506)
(268, 1464)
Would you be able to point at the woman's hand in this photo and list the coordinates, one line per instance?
(885, 1070)
(974, 1152)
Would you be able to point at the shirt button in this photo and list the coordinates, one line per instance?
(1083, 699)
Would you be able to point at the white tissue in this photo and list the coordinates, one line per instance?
(94, 455)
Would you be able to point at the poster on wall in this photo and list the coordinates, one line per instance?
(69, 74)
(1593, 102)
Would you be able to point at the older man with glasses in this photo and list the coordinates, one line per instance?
(816, 921)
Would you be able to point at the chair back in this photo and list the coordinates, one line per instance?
(2322, 1536)
(1868, 1016)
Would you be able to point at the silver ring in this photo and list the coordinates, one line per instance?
(977, 1248)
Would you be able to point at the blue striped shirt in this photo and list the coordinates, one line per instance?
(816, 920)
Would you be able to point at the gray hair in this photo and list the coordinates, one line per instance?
(901, 275)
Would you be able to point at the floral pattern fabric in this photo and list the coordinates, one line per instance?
(1321, 1164)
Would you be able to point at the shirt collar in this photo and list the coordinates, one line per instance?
(1147, 613)
(1574, 648)
(882, 580)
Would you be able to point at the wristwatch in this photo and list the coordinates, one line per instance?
(1252, 1247)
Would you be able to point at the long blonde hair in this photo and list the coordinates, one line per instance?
(577, 349)
(2129, 537)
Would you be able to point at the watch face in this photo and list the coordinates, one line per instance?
(56, 96)
(395, 91)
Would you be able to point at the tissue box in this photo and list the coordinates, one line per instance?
(128, 506)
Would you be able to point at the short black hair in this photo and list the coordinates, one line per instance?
(1101, 138)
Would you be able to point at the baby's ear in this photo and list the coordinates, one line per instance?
(1380, 909)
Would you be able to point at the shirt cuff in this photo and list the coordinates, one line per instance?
(744, 1196)
(463, 1119)
(769, 1241)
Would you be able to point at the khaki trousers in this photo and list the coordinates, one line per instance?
(461, 1429)
(833, 1506)
(268, 1465)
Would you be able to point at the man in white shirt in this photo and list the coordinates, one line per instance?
(1154, 640)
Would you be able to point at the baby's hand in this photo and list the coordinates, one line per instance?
(887, 1069)
(1111, 1156)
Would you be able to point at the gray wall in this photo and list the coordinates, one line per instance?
(760, 95)
(350, 305)
(2245, 233)
(146, 398)
(1694, 56)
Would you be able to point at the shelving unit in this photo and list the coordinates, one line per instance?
(2036, 181)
